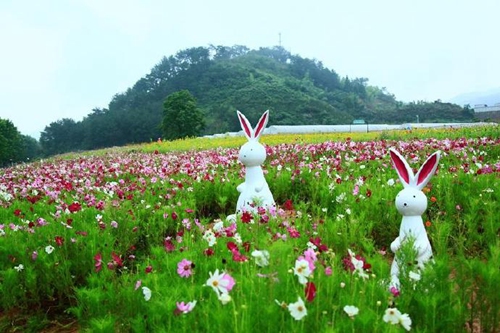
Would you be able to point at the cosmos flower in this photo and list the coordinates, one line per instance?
(184, 307)
(302, 270)
(298, 309)
(184, 268)
(220, 282)
(351, 310)
(147, 293)
(261, 257)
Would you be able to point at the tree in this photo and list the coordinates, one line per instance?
(181, 116)
(61, 136)
(10, 143)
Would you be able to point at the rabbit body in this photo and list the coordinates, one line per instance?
(411, 203)
(254, 192)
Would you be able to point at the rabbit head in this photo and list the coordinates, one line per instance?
(411, 201)
(252, 153)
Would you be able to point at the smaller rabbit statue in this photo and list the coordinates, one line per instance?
(411, 202)
(254, 192)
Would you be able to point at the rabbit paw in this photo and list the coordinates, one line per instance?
(395, 245)
(241, 187)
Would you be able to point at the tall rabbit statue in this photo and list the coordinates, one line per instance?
(411, 202)
(254, 192)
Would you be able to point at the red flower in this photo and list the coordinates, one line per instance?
(117, 260)
(208, 252)
(17, 212)
(75, 207)
(232, 246)
(98, 262)
(317, 241)
(149, 269)
(174, 216)
(246, 246)
(288, 205)
(368, 193)
(59, 240)
(169, 246)
(246, 217)
(310, 291)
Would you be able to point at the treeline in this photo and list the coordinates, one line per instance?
(16, 147)
(298, 91)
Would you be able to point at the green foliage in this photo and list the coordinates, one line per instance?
(10, 143)
(182, 118)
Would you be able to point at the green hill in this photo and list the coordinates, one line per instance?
(225, 79)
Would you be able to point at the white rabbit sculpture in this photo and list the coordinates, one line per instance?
(254, 191)
(411, 202)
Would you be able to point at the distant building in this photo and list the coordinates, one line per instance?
(484, 111)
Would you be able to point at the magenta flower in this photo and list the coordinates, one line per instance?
(184, 268)
(394, 291)
(328, 271)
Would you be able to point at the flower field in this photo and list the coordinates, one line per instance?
(135, 239)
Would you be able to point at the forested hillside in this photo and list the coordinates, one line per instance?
(224, 79)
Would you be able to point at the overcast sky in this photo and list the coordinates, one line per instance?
(61, 58)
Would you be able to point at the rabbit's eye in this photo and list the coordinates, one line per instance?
(414, 196)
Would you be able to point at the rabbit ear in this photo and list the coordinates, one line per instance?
(261, 125)
(427, 169)
(245, 125)
(404, 171)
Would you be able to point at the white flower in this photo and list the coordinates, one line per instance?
(19, 267)
(298, 309)
(414, 276)
(302, 270)
(147, 293)
(391, 182)
(218, 284)
(341, 197)
(237, 238)
(209, 236)
(392, 316)
(348, 211)
(405, 321)
(224, 298)
(261, 257)
(49, 249)
(351, 310)
(358, 268)
(218, 226)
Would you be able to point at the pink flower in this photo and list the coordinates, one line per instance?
(184, 307)
(328, 271)
(230, 281)
(137, 284)
(34, 255)
(184, 268)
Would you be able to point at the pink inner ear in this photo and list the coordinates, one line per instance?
(260, 125)
(245, 126)
(400, 167)
(427, 169)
